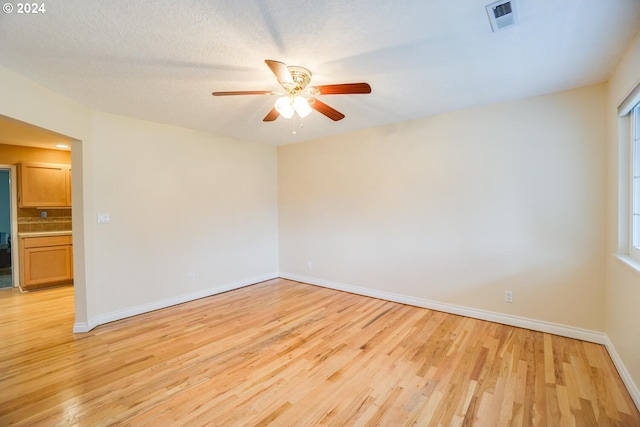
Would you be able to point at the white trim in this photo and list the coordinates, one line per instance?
(80, 327)
(506, 319)
(634, 140)
(624, 373)
(15, 257)
(15, 247)
(629, 260)
(629, 101)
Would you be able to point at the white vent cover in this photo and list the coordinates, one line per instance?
(502, 14)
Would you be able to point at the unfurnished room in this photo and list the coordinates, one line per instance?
(310, 213)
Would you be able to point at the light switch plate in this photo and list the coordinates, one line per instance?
(103, 218)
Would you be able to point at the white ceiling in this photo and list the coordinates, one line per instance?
(160, 60)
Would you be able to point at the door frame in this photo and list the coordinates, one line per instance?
(13, 190)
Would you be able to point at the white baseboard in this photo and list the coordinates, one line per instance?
(624, 373)
(506, 319)
(80, 327)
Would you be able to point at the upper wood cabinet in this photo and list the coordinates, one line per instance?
(44, 185)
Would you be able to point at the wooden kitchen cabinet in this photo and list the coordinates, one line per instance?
(46, 261)
(44, 185)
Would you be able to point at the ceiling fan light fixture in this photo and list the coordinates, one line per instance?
(295, 82)
(284, 107)
(301, 105)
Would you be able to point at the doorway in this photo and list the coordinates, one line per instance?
(8, 227)
(18, 135)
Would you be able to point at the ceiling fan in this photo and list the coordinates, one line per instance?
(299, 97)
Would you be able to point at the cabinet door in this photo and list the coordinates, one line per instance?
(43, 185)
(47, 265)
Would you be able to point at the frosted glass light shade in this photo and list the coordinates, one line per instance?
(301, 105)
(284, 107)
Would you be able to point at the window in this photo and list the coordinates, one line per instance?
(629, 179)
(634, 249)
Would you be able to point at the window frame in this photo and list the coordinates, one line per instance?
(628, 130)
(634, 183)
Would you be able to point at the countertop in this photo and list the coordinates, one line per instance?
(44, 233)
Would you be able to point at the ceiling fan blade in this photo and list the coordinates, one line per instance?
(281, 71)
(271, 115)
(323, 108)
(244, 92)
(345, 88)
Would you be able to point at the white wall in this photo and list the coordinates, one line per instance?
(623, 281)
(459, 207)
(180, 202)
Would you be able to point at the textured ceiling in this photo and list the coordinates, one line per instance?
(160, 60)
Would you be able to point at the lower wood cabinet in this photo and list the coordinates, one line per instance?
(46, 261)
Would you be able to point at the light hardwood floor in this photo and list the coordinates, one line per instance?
(284, 353)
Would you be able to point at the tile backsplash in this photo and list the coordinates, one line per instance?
(30, 219)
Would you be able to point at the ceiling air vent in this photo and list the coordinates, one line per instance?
(502, 14)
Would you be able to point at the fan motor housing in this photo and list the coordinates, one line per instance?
(301, 78)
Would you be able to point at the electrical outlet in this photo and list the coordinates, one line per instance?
(508, 296)
(192, 277)
(309, 265)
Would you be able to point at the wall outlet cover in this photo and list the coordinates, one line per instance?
(508, 296)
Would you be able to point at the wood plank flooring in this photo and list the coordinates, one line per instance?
(283, 353)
